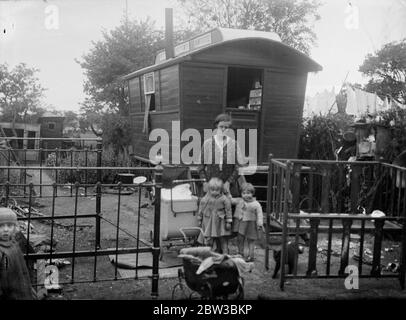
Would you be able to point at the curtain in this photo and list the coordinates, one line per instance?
(145, 129)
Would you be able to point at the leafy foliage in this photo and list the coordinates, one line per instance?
(129, 47)
(395, 120)
(292, 20)
(387, 70)
(117, 132)
(322, 135)
(20, 93)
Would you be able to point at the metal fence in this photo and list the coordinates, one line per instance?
(310, 198)
(69, 152)
(86, 183)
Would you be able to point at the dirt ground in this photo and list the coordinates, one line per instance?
(258, 283)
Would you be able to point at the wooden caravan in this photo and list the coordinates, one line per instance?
(250, 74)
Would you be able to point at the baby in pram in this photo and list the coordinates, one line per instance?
(213, 275)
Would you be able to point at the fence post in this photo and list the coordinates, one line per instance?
(355, 187)
(325, 189)
(40, 171)
(7, 192)
(403, 252)
(285, 235)
(268, 209)
(296, 187)
(25, 170)
(312, 263)
(56, 166)
(98, 191)
(345, 247)
(378, 237)
(156, 248)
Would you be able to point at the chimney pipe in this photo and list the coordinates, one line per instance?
(169, 51)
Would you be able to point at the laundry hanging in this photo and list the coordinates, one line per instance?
(351, 102)
(360, 102)
(322, 102)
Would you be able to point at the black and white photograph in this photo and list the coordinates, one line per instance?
(210, 154)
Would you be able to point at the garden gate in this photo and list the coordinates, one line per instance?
(313, 198)
(68, 179)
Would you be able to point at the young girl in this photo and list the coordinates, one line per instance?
(215, 216)
(248, 219)
(15, 282)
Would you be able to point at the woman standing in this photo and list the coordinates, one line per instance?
(221, 157)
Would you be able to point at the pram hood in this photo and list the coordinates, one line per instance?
(207, 258)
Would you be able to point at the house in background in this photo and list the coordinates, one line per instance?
(51, 127)
(21, 130)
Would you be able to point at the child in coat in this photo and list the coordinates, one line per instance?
(15, 282)
(215, 215)
(247, 220)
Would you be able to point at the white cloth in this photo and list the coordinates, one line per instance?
(322, 102)
(145, 128)
(179, 192)
(351, 102)
(360, 102)
(367, 102)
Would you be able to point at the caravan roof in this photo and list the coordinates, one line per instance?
(217, 37)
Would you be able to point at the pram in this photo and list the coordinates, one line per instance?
(218, 281)
(179, 205)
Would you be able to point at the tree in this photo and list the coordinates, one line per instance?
(292, 20)
(20, 93)
(71, 119)
(129, 47)
(387, 70)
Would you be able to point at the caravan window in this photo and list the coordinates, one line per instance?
(244, 88)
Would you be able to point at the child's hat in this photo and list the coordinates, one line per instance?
(7, 216)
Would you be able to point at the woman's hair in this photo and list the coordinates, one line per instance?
(215, 184)
(248, 187)
(222, 117)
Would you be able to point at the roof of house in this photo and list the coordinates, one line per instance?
(213, 38)
(48, 114)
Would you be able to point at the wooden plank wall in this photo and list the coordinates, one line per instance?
(135, 95)
(203, 95)
(282, 113)
(170, 95)
(167, 101)
(253, 53)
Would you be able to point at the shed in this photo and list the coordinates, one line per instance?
(24, 149)
(252, 75)
(51, 127)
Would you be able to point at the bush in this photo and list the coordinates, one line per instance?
(322, 135)
(117, 132)
(110, 158)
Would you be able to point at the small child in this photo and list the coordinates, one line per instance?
(15, 283)
(215, 215)
(248, 219)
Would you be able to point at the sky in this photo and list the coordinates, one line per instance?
(344, 38)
